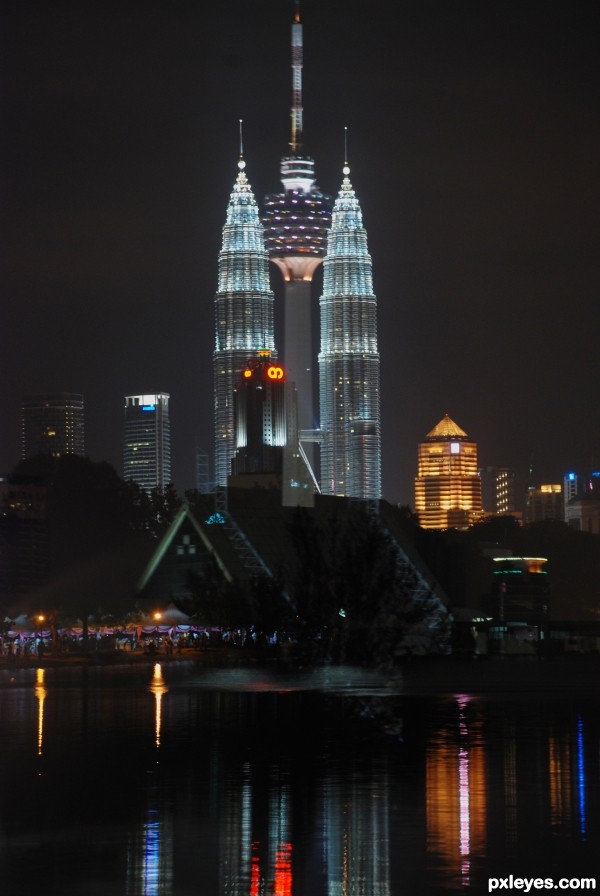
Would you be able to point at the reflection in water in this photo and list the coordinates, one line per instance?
(256, 852)
(559, 769)
(456, 796)
(150, 850)
(581, 780)
(40, 693)
(356, 830)
(159, 689)
(273, 793)
(509, 780)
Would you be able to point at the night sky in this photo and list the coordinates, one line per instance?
(474, 146)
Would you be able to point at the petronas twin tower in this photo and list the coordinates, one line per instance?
(298, 230)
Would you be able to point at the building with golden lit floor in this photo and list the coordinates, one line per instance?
(52, 424)
(448, 485)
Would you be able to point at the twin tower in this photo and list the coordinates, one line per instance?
(265, 403)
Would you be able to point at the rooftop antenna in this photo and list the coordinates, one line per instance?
(296, 111)
(241, 163)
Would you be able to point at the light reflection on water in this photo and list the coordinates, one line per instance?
(170, 779)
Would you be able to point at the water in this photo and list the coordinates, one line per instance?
(174, 779)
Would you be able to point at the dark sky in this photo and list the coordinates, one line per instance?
(474, 144)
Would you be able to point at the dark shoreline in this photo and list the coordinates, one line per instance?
(565, 675)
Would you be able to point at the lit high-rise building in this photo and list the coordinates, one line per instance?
(243, 311)
(296, 223)
(147, 441)
(349, 359)
(52, 424)
(448, 485)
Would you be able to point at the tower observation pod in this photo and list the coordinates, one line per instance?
(296, 223)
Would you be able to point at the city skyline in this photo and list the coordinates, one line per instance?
(472, 141)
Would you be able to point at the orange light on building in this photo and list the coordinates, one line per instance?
(247, 374)
(275, 373)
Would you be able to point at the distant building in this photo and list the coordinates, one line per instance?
(24, 540)
(498, 490)
(52, 423)
(147, 441)
(448, 485)
(582, 513)
(570, 490)
(520, 590)
(544, 503)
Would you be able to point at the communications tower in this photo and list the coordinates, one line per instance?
(296, 222)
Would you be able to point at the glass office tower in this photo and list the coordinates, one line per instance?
(243, 312)
(147, 441)
(52, 423)
(349, 359)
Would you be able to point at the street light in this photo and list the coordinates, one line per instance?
(40, 645)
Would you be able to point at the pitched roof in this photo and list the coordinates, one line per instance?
(183, 517)
(447, 429)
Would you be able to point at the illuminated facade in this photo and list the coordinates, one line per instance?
(296, 223)
(349, 360)
(448, 485)
(243, 311)
(52, 424)
(147, 441)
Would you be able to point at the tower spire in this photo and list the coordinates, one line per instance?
(297, 56)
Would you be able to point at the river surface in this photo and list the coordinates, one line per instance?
(173, 779)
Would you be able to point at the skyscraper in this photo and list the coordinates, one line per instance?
(498, 490)
(448, 485)
(52, 423)
(147, 441)
(349, 360)
(296, 223)
(243, 311)
(262, 401)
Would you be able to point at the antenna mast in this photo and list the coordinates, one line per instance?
(297, 56)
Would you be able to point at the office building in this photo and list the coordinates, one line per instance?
(448, 485)
(243, 311)
(520, 590)
(544, 502)
(349, 359)
(147, 441)
(498, 490)
(52, 423)
(570, 488)
(296, 223)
